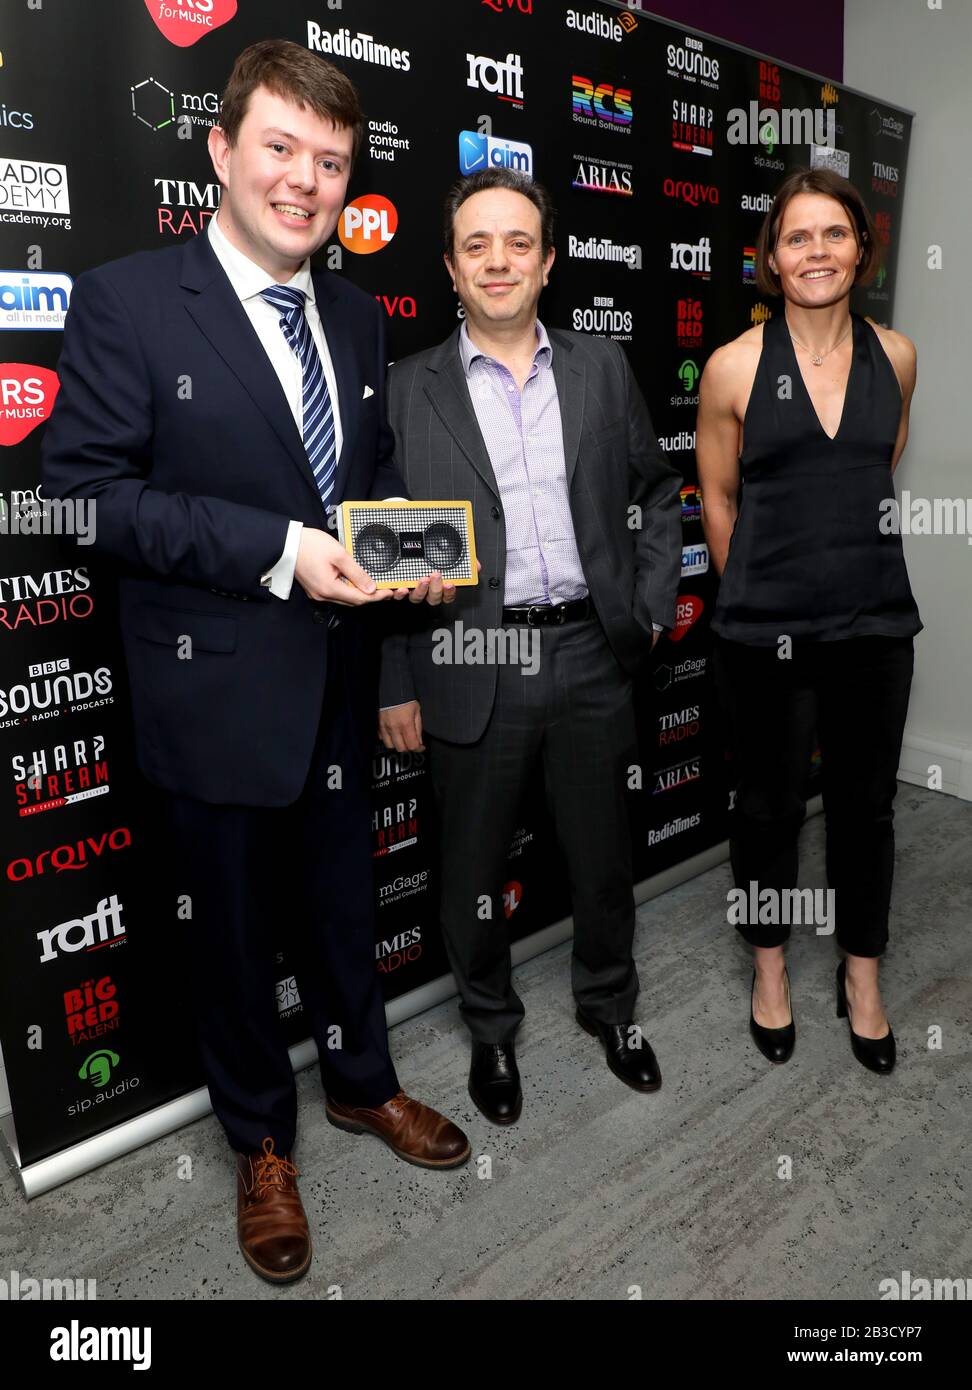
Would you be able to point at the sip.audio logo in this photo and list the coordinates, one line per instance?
(368, 224)
(26, 398)
(185, 22)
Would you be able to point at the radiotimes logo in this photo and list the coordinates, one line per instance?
(185, 22)
(42, 698)
(603, 249)
(604, 320)
(102, 927)
(198, 203)
(602, 105)
(90, 1010)
(34, 299)
(394, 827)
(603, 176)
(26, 397)
(691, 63)
(50, 778)
(501, 78)
(693, 256)
(363, 48)
(478, 151)
(693, 127)
(69, 858)
(688, 323)
(368, 224)
(694, 194)
(34, 192)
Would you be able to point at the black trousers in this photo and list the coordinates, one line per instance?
(573, 721)
(246, 868)
(853, 695)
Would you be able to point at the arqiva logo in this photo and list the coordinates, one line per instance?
(368, 224)
(26, 397)
(185, 22)
(688, 610)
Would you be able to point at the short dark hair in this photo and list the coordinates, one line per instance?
(499, 178)
(297, 75)
(833, 186)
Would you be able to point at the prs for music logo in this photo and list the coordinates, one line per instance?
(184, 22)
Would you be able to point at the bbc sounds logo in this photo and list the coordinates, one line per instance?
(368, 224)
(185, 22)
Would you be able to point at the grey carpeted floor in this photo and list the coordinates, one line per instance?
(598, 1189)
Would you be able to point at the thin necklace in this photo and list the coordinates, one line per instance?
(816, 358)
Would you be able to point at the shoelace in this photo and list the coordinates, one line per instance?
(270, 1169)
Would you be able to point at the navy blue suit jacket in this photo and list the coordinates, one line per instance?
(171, 417)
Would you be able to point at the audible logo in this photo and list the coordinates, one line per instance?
(368, 224)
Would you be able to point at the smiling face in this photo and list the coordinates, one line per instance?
(284, 181)
(497, 265)
(816, 254)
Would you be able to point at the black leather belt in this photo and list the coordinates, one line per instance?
(535, 614)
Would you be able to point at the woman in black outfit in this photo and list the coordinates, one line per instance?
(801, 423)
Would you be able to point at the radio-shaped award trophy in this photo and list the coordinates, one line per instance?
(401, 543)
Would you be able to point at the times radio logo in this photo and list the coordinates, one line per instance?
(57, 596)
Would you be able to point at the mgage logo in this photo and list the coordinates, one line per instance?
(185, 22)
(601, 105)
(368, 224)
(502, 79)
(68, 857)
(26, 398)
(84, 933)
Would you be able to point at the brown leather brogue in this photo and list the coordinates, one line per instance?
(412, 1130)
(270, 1221)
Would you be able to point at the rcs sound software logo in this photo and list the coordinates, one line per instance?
(185, 22)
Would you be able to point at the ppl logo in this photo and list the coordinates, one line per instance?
(185, 22)
(478, 152)
(26, 397)
(688, 610)
(368, 224)
(512, 896)
(591, 103)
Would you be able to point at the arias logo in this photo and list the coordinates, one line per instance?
(512, 897)
(26, 397)
(688, 610)
(185, 22)
(368, 224)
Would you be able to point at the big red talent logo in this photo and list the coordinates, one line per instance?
(91, 1010)
(103, 927)
(693, 127)
(199, 202)
(882, 224)
(403, 949)
(50, 778)
(69, 858)
(688, 323)
(770, 85)
(688, 610)
(185, 22)
(57, 596)
(368, 224)
(501, 78)
(602, 106)
(395, 827)
(26, 398)
(694, 194)
(43, 698)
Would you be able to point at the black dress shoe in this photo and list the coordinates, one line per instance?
(635, 1066)
(878, 1054)
(776, 1044)
(494, 1082)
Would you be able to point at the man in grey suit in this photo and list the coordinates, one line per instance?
(578, 530)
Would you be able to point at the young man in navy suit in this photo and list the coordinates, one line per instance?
(216, 398)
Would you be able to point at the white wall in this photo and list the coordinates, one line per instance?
(921, 58)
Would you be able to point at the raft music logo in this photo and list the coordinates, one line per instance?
(395, 826)
(26, 398)
(56, 596)
(198, 202)
(693, 127)
(34, 193)
(368, 224)
(91, 1010)
(884, 179)
(34, 299)
(49, 778)
(103, 926)
(502, 78)
(691, 63)
(69, 858)
(693, 256)
(185, 22)
(403, 949)
(601, 106)
(603, 176)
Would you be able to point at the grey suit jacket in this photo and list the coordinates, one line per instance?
(624, 501)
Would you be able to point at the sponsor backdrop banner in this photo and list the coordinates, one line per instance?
(662, 150)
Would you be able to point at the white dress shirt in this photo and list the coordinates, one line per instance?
(248, 279)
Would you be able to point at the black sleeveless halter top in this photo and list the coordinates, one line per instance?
(807, 557)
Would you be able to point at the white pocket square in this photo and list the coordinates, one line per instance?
(367, 392)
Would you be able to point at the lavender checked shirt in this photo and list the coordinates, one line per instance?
(524, 439)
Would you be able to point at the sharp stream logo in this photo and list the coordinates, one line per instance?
(478, 152)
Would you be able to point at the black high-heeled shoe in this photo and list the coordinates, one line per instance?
(878, 1054)
(776, 1044)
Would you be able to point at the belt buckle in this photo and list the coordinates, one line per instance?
(534, 608)
(561, 614)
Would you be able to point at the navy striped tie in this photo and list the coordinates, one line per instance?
(318, 417)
